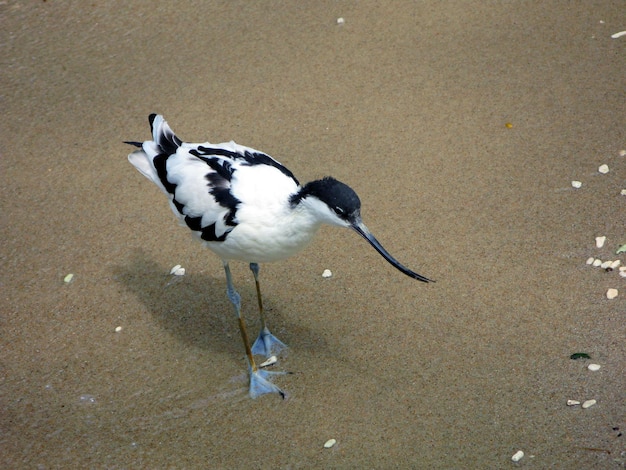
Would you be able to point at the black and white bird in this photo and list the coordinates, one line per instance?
(244, 205)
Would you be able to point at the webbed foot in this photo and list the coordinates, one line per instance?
(267, 344)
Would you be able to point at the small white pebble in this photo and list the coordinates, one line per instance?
(67, 279)
(588, 403)
(329, 443)
(594, 367)
(615, 264)
(622, 268)
(576, 184)
(611, 293)
(340, 20)
(327, 273)
(618, 35)
(177, 270)
(118, 329)
(622, 273)
(622, 153)
(604, 168)
(90, 399)
(597, 262)
(606, 264)
(270, 360)
(573, 402)
(517, 456)
(600, 241)
(590, 260)
(623, 192)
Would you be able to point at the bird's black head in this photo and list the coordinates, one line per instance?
(339, 197)
(332, 202)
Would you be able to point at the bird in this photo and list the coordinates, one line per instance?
(245, 206)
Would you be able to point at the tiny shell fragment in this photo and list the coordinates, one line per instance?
(67, 279)
(270, 360)
(588, 403)
(618, 35)
(329, 443)
(600, 241)
(327, 273)
(615, 264)
(611, 293)
(622, 153)
(340, 20)
(576, 184)
(604, 168)
(88, 399)
(606, 264)
(594, 367)
(622, 273)
(573, 402)
(118, 329)
(590, 260)
(623, 192)
(517, 456)
(597, 262)
(175, 268)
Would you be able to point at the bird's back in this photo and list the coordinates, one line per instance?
(213, 188)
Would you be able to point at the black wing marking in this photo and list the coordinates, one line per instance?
(166, 139)
(134, 143)
(246, 158)
(219, 182)
(222, 163)
(160, 164)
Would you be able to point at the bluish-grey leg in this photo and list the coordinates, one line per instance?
(259, 379)
(266, 343)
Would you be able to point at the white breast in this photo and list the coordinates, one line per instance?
(268, 229)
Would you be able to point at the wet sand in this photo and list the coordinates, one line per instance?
(406, 102)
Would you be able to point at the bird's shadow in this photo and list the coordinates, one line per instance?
(195, 308)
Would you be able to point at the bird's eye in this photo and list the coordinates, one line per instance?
(339, 210)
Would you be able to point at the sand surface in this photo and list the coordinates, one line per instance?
(408, 103)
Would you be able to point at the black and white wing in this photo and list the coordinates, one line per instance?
(198, 178)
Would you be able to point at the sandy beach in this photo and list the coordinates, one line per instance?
(461, 125)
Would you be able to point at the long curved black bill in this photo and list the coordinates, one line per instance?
(362, 230)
